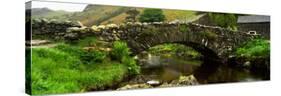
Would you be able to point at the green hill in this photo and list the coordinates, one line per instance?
(96, 14)
(50, 14)
(104, 14)
(171, 15)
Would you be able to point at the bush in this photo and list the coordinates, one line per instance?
(119, 50)
(133, 68)
(224, 20)
(121, 53)
(152, 15)
(254, 49)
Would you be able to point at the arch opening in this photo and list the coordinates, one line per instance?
(170, 67)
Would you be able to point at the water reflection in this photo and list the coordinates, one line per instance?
(206, 71)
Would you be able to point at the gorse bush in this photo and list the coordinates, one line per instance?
(257, 48)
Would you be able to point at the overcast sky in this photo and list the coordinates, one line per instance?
(59, 6)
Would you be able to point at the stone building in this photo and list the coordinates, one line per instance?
(255, 23)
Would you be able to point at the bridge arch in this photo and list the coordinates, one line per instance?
(205, 51)
(140, 37)
(208, 48)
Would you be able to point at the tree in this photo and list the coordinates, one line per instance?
(152, 15)
(225, 20)
(132, 14)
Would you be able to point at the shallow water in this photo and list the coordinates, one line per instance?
(166, 69)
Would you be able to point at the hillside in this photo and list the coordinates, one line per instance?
(183, 15)
(96, 14)
(101, 14)
(51, 14)
(171, 15)
(91, 15)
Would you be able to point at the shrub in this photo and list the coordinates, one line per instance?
(121, 53)
(254, 49)
(133, 68)
(119, 50)
(152, 15)
(224, 20)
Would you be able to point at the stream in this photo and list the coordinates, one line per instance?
(163, 70)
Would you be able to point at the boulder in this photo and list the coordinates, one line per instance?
(182, 81)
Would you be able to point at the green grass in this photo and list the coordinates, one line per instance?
(88, 41)
(121, 53)
(120, 50)
(172, 49)
(61, 70)
(225, 20)
(258, 48)
(184, 15)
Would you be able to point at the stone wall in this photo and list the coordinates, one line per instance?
(51, 28)
(209, 40)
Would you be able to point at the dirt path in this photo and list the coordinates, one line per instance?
(40, 44)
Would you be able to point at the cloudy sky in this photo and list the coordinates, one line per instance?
(59, 6)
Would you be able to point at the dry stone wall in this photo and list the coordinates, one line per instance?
(209, 40)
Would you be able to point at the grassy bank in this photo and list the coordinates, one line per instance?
(68, 69)
(258, 48)
(175, 50)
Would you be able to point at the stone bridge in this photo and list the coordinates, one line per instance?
(215, 42)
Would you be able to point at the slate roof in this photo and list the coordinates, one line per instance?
(253, 19)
